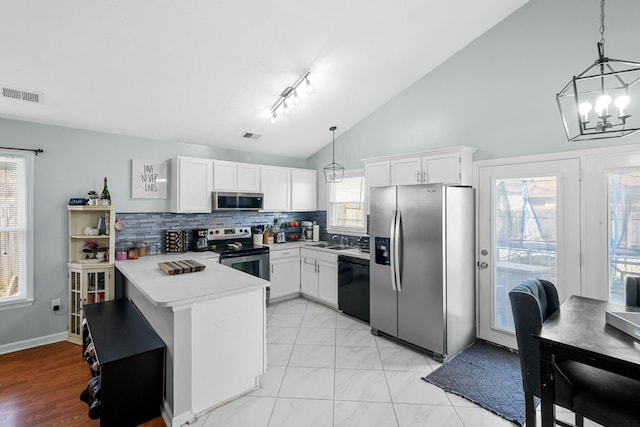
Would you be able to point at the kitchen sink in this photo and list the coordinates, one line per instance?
(330, 246)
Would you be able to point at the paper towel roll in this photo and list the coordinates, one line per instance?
(316, 233)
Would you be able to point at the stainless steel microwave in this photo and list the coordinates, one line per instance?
(232, 201)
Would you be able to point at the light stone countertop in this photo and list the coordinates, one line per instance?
(215, 281)
(354, 252)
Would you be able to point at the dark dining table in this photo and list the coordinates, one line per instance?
(578, 331)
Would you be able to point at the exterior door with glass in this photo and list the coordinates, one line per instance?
(611, 217)
(528, 227)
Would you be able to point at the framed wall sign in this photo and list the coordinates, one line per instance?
(148, 179)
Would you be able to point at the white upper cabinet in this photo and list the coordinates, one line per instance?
(232, 176)
(275, 185)
(191, 184)
(304, 188)
(248, 177)
(224, 176)
(447, 169)
(448, 166)
(284, 189)
(452, 166)
(406, 171)
(376, 174)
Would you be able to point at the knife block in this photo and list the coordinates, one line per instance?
(176, 241)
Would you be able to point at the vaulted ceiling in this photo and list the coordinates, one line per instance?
(207, 71)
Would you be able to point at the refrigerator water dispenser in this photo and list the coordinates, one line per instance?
(383, 245)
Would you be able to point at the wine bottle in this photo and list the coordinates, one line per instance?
(105, 192)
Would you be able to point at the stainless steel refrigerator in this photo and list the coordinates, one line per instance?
(422, 273)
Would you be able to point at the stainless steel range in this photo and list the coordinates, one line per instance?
(237, 251)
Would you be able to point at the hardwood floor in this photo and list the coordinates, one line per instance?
(41, 387)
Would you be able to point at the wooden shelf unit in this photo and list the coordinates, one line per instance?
(90, 281)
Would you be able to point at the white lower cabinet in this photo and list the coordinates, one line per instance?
(285, 272)
(328, 278)
(319, 275)
(309, 272)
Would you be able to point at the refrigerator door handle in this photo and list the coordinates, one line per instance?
(392, 264)
(396, 250)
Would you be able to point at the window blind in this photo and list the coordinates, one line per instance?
(12, 227)
(346, 205)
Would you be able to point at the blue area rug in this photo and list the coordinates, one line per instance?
(487, 375)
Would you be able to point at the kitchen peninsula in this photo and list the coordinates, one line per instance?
(213, 324)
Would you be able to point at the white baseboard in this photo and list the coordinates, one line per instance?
(33, 342)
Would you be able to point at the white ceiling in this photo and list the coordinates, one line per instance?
(207, 71)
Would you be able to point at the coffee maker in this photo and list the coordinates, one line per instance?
(200, 240)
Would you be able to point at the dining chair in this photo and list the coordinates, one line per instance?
(632, 295)
(604, 397)
(532, 302)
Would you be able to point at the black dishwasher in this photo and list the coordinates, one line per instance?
(353, 286)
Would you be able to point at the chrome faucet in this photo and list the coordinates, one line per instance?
(335, 236)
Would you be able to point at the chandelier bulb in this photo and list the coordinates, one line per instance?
(584, 109)
(285, 109)
(274, 117)
(622, 102)
(603, 100)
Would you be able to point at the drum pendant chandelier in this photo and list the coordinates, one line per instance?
(333, 172)
(604, 100)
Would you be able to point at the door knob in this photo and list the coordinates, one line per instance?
(484, 252)
(483, 265)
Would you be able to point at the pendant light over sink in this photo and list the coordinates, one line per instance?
(333, 172)
(604, 100)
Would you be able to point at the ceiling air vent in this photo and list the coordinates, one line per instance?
(21, 95)
(250, 135)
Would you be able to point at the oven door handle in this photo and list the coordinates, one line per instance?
(241, 255)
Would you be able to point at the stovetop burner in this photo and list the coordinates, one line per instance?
(233, 241)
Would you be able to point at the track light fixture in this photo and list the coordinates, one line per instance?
(291, 93)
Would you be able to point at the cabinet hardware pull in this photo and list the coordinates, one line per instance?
(418, 176)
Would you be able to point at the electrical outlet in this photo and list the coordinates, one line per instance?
(55, 304)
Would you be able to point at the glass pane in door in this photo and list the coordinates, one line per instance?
(624, 231)
(525, 238)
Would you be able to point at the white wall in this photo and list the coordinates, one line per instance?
(497, 94)
(74, 162)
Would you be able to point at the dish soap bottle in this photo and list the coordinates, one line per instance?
(105, 196)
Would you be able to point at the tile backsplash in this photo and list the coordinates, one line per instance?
(150, 227)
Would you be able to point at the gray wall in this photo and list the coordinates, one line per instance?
(74, 162)
(498, 93)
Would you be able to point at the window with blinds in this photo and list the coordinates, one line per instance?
(345, 213)
(13, 228)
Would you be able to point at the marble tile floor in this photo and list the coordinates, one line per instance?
(325, 369)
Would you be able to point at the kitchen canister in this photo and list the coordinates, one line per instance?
(257, 239)
(176, 241)
(121, 252)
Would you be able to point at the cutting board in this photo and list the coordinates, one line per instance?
(181, 266)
